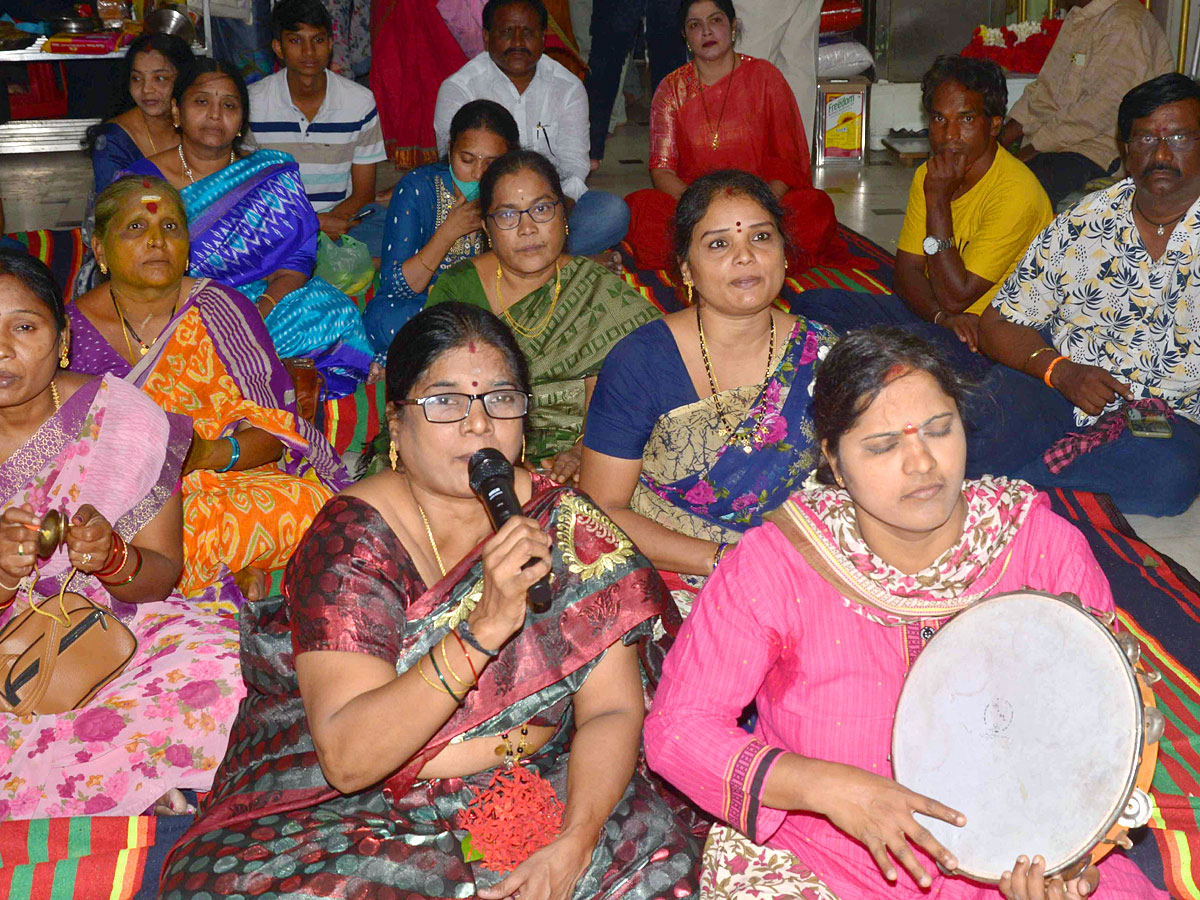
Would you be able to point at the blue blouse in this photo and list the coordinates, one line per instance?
(115, 151)
(420, 203)
(643, 378)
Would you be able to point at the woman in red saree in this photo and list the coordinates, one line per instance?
(411, 730)
(726, 110)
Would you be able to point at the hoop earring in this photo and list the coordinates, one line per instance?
(393, 455)
(64, 358)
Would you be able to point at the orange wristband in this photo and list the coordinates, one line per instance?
(1050, 369)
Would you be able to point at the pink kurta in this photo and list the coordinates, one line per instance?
(825, 679)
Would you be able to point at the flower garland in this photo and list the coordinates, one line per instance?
(1022, 47)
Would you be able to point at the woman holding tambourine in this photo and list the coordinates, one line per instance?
(817, 617)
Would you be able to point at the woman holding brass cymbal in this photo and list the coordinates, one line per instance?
(816, 618)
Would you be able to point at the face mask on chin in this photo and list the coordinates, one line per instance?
(469, 189)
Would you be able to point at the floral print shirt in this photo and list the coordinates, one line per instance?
(1089, 280)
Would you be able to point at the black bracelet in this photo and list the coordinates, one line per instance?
(464, 632)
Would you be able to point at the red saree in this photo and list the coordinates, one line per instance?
(759, 130)
(413, 52)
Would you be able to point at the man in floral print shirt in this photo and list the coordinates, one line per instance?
(1104, 312)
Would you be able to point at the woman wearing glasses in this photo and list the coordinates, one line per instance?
(566, 311)
(424, 698)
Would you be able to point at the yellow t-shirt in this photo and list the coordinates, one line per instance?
(994, 222)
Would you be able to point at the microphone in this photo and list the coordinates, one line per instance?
(491, 478)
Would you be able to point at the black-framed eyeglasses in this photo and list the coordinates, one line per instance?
(541, 212)
(442, 409)
(1148, 143)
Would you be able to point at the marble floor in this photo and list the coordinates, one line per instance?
(50, 191)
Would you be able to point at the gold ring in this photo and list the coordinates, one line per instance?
(20, 549)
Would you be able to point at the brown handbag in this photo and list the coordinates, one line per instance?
(55, 657)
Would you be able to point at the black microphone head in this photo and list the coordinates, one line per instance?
(486, 464)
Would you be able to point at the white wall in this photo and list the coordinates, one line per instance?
(899, 106)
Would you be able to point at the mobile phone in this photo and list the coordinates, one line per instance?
(1147, 424)
(365, 213)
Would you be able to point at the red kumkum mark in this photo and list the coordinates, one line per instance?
(910, 428)
(151, 207)
(739, 227)
(896, 371)
(470, 346)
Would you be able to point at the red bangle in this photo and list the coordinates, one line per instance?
(1050, 368)
(119, 546)
(137, 567)
(463, 647)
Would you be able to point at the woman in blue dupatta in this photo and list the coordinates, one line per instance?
(700, 423)
(252, 227)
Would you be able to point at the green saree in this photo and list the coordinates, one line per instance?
(595, 309)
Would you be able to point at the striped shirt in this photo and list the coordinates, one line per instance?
(344, 133)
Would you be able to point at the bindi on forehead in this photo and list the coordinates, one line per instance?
(739, 227)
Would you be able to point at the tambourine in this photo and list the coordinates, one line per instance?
(1028, 714)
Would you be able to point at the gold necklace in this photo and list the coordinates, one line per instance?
(146, 128)
(716, 132)
(127, 329)
(429, 534)
(187, 170)
(512, 323)
(712, 379)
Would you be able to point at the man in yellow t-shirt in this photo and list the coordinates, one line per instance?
(973, 210)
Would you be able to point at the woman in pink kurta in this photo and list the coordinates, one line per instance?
(821, 640)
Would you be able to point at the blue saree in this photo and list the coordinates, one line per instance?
(251, 219)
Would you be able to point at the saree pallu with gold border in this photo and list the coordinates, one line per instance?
(700, 482)
(214, 362)
(564, 337)
(272, 822)
(164, 721)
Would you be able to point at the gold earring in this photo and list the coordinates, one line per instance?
(689, 287)
(103, 269)
(394, 455)
(522, 448)
(567, 228)
(64, 358)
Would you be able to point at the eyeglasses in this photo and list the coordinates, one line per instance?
(445, 408)
(1148, 143)
(541, 212)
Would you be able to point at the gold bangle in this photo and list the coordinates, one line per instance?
(425, 677)
(424, 264)
(1035, 354)
(446, 659)
(937, 316)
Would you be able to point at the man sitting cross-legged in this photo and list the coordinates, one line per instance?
(1103, 310)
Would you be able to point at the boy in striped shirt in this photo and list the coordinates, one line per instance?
(327, 122)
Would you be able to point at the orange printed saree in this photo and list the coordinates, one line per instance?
(215, 363)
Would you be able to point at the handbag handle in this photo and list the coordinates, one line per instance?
(49, 657)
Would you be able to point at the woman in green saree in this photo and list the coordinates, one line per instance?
(566, 311)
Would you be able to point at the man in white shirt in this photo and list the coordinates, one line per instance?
(327, 122)
(785, 33)
(551, 109)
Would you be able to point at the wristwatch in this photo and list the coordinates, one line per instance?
(934, 245)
